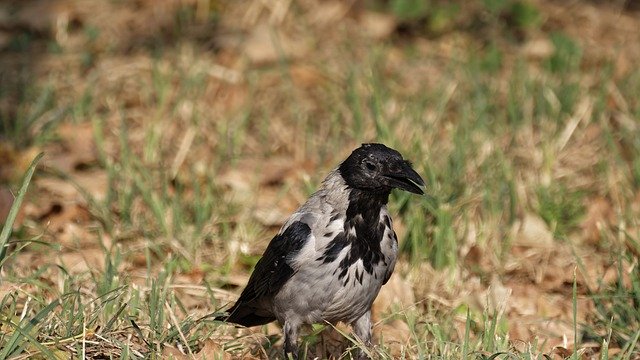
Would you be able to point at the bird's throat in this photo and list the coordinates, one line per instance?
(364, 228)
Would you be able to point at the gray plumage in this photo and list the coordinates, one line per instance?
(330, 259)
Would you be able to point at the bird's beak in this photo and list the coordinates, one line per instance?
(405, 178)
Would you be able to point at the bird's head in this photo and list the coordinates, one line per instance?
(377, 168)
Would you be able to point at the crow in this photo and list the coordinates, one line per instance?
(331, 257)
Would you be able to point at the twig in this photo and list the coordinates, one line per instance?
(175, 323)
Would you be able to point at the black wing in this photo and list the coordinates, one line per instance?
(271, 272)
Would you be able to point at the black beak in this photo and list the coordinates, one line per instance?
(405, 178)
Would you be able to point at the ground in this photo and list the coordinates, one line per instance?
(179, 134)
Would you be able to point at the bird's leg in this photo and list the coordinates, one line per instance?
(362, 329)
(290, 340)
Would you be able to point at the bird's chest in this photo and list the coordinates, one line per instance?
(361, 266)
(341, 270)
(357, 285)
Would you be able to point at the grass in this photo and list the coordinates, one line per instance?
(13, 212)
(496, 138)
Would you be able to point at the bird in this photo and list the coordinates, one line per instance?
(333, 254)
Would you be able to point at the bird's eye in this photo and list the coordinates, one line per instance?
(371, 166)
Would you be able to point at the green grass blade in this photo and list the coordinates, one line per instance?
(12, 347)
(629, 350)
(24, 333)
(8, 225)
(467, 330)
(575, 314)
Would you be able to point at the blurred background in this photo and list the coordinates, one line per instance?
(179, 134)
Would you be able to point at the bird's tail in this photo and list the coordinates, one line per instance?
(243, 315)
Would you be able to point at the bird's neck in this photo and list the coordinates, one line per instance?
(363, 216)
(366, 204)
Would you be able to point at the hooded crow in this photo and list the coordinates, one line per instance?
(330, 259)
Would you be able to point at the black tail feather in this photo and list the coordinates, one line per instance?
(244, 315)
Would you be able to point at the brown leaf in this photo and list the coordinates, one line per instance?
(93, 182)
(562, 352)
(78, 148)
(267, 45)
(474, 256)
(170, 352)
(377, 25)
(87, 259)
(212, 350)
(538, 49)
(58, 187)
(306, 76)
(498, 296)
(395, 335)
(532, 231)
(6, 200)
(523, 299)
(66, 221)
(328, 12)
(14, 162)
(194, 276)
(600, 215)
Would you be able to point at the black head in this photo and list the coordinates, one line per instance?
(378, 169)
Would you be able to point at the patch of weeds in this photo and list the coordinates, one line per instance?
(432, 17)
(430, 233)
(21, 42)
(568, 94)
(560, 208)
(30, 122)
(512, 18)
(180, 207)
(13, 212)
(521, 86)
(499, 187)
(491, 59)
(566, 56)
(89, 55)
(617, 306)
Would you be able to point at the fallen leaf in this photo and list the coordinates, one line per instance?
(14, 162)
(474, 257)
(87, 259)
(600, 215)
(6, 200)
(78, 148)
(523, 299)
(538, 49)
(93, 183)
(306, 76)
(194, 276)
(212, 350)
(498, 297)
(266, 44)
(170, 352)
(532, 231)
(562, 352)
(377, 25)
(395, 335)
(328, 12)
